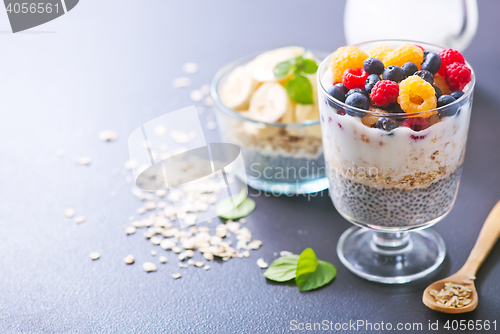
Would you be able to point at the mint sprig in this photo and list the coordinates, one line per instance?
(298, 87)
(309, 272)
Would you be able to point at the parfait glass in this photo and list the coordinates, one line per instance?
(392, 185)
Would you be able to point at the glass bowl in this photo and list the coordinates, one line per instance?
(280, 158)
(391, 182)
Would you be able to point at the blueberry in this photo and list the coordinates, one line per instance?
(388, 108)
(457, 94)
(431, 63)
(343, 87)
(357, 100)
(373, 66)
(445, 100)
(387, 124)
(371, 81)
(393, 73)
(438, 92)
(357, 90)
(337, 93)
(409, 69)
(426, 75)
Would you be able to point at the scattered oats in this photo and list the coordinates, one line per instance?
(161, 193)
(206, 267)
(472, 278)
(205, 89)
(261, 263)
(210, 220)
(163, 259)
(225, 258)
(190, 68)
(141, 210)
(161, 205)
(182, 256)
(203, 229)
(189, 253)
(170, 232)
(83, 161)
(286, 253)
(452, 295)
(176, 275)
(199, 264)
(190, 219)
(211, 125)
(108, 135)
(69, 212)
(196, 95)
(149, 267)
(160, 130)
(243, 220)
(153, 252)
(95, 255)
(156, 240)
(190, 262)
(179, 137)
(176, 250)
(233, 226)
(208, 101)
(183, 265)
(255, 244)
(208, 256)
(80, 219)
(150, 205)
(60, 153)
(181, 82)
(130, 230)
(193, 230)
(246, 253)
(221, 233)
(129, 259)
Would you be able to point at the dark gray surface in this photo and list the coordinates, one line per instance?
(97, 68)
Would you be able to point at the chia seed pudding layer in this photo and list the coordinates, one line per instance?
(393, 207)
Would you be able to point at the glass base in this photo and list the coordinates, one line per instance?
(392, 258)
(286, 188)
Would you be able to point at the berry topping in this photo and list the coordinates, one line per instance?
(385, 92)
(445, 100)
(354, 78)
(370, 82)
(387, 124)
(358, 100)
(357, 90)
(346, 57)
(343, 87)
(379, 51)
(458, 76)
(448, 57)
(432, 62)
(416, 95)
(409, 69)
(426, 75)
(457, 94)
(373, 66)
(438, 92)
(404, 54)
(416, 123)
(337, 93)
(393, 73)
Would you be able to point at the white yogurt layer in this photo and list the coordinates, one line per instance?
(402, 153)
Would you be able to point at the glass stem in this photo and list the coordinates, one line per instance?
(384, 241)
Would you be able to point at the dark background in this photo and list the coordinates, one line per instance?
(98, 68)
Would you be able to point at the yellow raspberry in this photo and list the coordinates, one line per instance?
(379, 51)
(440, 82)
(417, 95)
(346, 57)
(404, 54)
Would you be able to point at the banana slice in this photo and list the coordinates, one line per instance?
(236, 92)
(262, 67)
(289, 116)
(306, 112)
(269, 103)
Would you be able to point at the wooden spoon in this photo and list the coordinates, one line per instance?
(485, 242)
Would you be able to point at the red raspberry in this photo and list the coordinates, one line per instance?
(416, 123)
(458, 76)
(385, 92)
(420, 47)
(354, 78)
(448, 57)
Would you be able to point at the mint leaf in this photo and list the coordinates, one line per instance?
(312, 273)
(308, 66)
(299, 89)
(283, 69)
(282, 269)
(235, 207)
